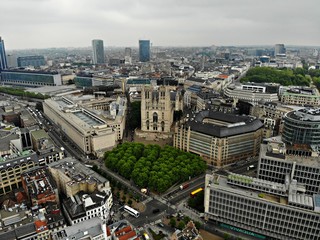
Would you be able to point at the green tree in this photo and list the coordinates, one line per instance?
(181, 225)
(173, 222)
(283, 76)
(130, 202)
(197, 224)
(153, 167)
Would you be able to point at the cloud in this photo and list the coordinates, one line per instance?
(64, 23)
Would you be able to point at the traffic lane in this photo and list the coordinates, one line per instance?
(185, 193)
(191, 184)
(243, 168)
(148, 216)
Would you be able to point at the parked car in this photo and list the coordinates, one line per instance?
(156, 210)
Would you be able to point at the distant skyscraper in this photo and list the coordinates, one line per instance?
(12, 60)
(98, 52)
(279, 49)
(127, 52)
(3, 56)
(127, 55)
(144, 50)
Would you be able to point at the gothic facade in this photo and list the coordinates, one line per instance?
(158, 104)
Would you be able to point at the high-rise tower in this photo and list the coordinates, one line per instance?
(144, 50)
(279, 49)
(127, 55)
(3, 56)
(98, 51)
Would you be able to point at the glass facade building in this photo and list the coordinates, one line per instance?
(35, 61)
(3, 56)
(30, 78)
(144, 50)
(98, 52)
(302, 127)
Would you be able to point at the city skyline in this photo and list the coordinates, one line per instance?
(166, 23)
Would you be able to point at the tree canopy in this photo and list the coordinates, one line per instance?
(22, 92)
(152, 166)
(285, 77)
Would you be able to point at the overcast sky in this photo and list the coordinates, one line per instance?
(28, 24)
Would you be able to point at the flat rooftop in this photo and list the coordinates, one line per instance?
(88, 119)
(222, 182)
(77, 171)
(301, 160)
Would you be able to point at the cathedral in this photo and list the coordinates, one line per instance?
(158, 104)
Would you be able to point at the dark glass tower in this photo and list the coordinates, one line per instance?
(3, 56)
(98, 52)
(144, 50)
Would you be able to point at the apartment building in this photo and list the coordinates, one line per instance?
(11, 168)
(88, 194)
(93, 229)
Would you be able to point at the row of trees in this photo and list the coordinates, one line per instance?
(23, 93)
(117, 187)
(152, 166)
(285, 77)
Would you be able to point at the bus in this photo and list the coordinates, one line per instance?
(193, 193)
(131, 211)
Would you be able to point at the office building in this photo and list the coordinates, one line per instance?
(157, 107)
(3, 56)
(278, 160)
(90, 80)
(98, 52)
(94, 124)
(279, 49)
(253, 92)
(144, 50)
(26, 78)
(262, 209)
(128, 56)
(219, 138)
(12, 60)
(301, 96)
(302, 127)
(35, 61)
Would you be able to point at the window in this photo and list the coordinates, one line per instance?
(155, 117)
